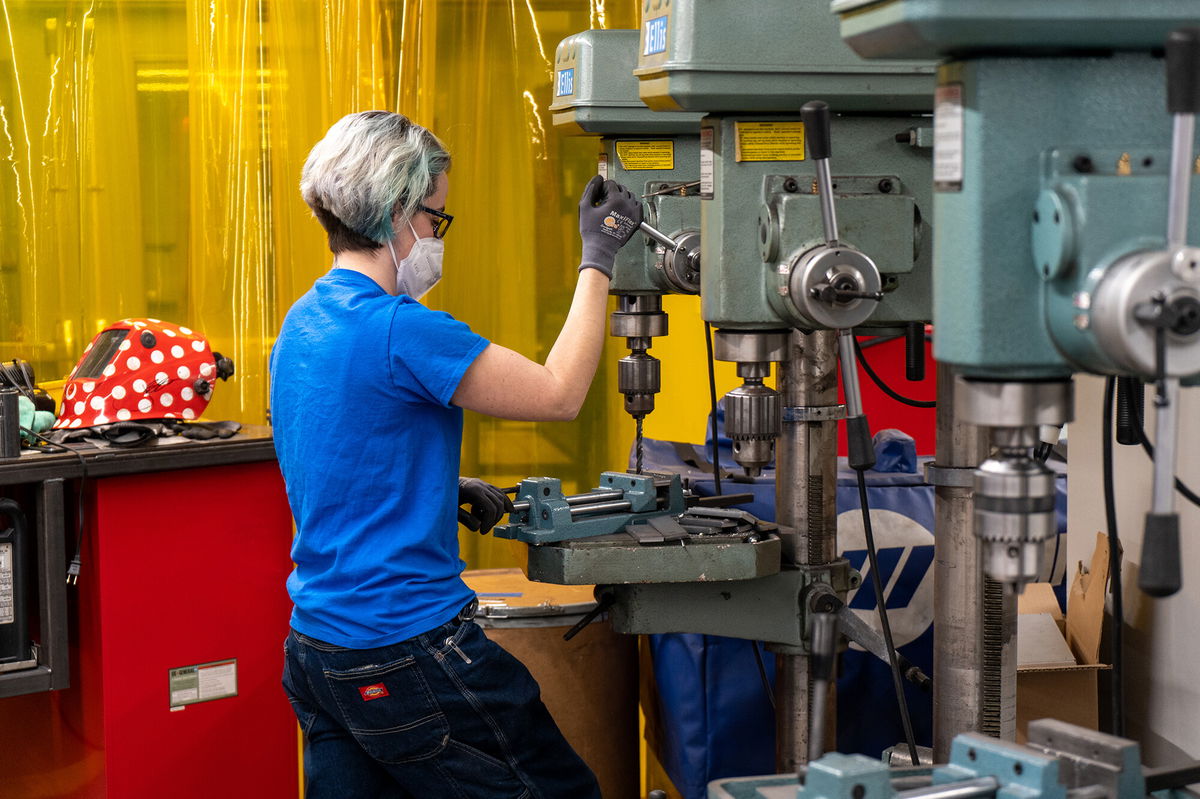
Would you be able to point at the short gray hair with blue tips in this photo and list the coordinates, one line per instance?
(368, 167)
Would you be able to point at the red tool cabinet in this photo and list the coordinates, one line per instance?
(175, 629)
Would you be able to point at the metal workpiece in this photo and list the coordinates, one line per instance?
(1014, 403)
(974, 687)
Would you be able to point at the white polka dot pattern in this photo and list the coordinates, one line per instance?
(151, 377)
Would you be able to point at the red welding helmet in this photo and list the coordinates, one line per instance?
(141, 369)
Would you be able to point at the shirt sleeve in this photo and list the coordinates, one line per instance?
(429, 352)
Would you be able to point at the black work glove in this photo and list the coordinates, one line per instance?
(608, 216)
(488, 504)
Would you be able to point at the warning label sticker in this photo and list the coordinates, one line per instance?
(203, 682)
(7, 585)
(659, 154)
(769, 141)
(948, 137)
(706, 163)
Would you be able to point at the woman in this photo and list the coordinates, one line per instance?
(397, 692)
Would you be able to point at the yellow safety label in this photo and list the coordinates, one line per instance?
(769, 141)
(658, 154)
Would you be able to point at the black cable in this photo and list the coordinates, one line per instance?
(712, 399)
(881, 602)
(1114, 563)
(877, 340)
(762, 673)
(1188, 493)
(884, 387)
(76, 562)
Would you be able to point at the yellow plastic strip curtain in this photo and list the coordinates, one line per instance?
(150, 153)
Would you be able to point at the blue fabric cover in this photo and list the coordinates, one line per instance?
(369, 444)
(716, 719)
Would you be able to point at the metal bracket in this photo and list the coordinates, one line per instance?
(949, 476)
(814, 413)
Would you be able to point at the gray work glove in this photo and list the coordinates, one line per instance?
(608, 216)
(488, 504)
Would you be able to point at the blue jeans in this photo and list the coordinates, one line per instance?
(445, 714)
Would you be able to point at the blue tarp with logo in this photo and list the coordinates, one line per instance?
(716, 718)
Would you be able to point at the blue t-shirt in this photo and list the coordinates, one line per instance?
(369, 443)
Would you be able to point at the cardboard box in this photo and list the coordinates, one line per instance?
(1058, 659)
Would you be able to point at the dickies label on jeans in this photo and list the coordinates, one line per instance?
(376, 691)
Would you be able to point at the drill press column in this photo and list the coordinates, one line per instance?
(806, 501)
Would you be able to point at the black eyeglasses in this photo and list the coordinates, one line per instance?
(441, 221)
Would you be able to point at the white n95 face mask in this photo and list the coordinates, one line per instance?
(421, 269)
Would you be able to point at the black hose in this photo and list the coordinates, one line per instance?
(881, 602)
(1114, 564)
(884, 387)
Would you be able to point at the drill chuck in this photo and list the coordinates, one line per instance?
(639, 379)
(1014, 516)
(752, 421)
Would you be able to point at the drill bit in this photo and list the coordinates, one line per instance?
(638, 444)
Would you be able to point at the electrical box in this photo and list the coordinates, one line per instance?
(14, 621)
